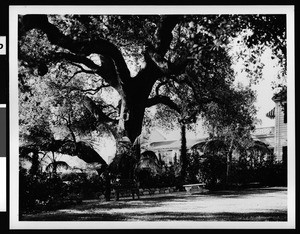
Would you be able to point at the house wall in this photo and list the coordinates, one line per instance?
(280, 131)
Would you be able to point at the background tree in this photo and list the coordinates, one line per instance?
(234, 122)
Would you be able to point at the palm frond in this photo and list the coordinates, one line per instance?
(53, 166)
(62, 164)
(26, 157)
(260, 146)
(149, 161)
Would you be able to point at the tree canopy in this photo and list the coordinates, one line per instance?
(89, 74)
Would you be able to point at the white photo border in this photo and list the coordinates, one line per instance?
(14, 11)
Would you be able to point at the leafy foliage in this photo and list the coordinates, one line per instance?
(44, 192)
(252, 163)
(199, 47)
(82, 76)
(39, 191)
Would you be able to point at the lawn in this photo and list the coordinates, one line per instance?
(269, 204)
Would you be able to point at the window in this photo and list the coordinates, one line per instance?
(284, 162)
(285, 113)
(284, 155)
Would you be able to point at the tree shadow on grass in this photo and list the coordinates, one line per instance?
(92, 205)
(126, 203)
(161, 216)
(223, 216)
(74, 217)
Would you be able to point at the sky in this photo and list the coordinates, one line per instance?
(264, 91)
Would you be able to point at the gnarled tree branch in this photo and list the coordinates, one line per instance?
(163, 100)
(97, 111)
(84, 48)
(164, 33)
(106, 70)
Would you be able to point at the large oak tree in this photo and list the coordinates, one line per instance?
(179, 61)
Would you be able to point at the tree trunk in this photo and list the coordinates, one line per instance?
(183, 154)
(35, 167)
(137, 91)
(122, 118)
(228, 163)
(107, 181)
(133, 125)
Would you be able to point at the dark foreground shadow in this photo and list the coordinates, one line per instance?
(160, 216)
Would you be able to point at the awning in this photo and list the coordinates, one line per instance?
(271, 113)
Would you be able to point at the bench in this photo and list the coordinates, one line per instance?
(189, 188)
(126, 187)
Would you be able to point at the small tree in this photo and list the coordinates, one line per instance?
(232, 122)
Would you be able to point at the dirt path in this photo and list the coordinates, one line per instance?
(247, 205)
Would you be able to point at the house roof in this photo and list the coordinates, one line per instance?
(156, 136)
(281, 95)
(175, 144)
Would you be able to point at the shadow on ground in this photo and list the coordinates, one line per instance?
(162, 216)
(164, 208)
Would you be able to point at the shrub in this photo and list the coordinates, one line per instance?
(193, 168)
(213, 170)
(86, 186)
(168, 177)
(45, 192)
(39, 191)
(273, 174)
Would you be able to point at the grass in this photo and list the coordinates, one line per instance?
(246, 205)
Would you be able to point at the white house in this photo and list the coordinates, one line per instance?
(279, 112)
